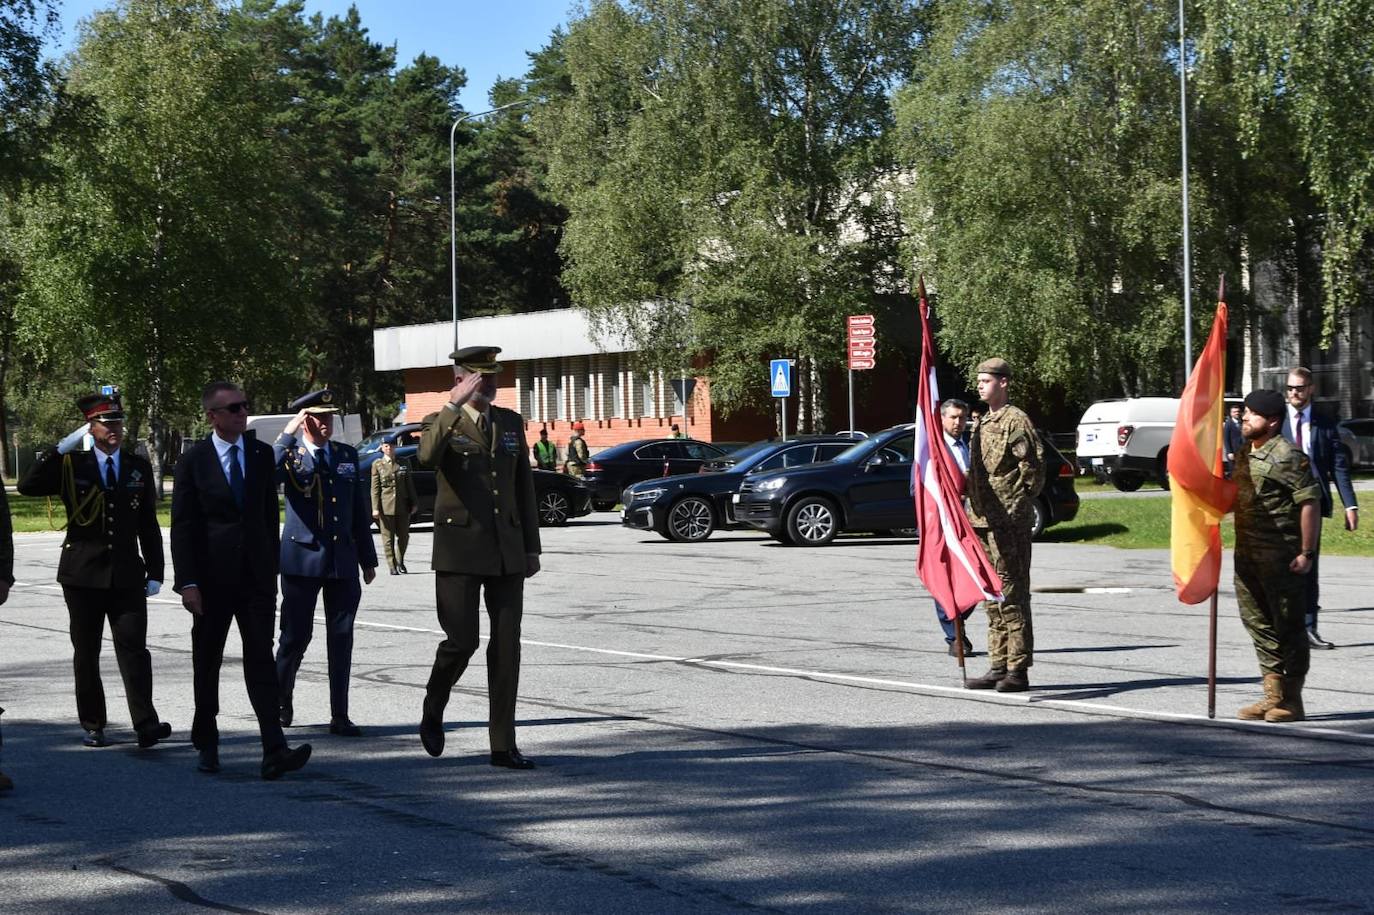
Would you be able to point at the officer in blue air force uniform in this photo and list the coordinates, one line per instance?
(326, 540)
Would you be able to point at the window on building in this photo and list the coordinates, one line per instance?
(560, 406)
(615, 385)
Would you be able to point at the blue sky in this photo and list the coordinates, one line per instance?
(487, 38)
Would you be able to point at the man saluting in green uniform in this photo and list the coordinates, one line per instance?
(486, 538)
(1277, 520)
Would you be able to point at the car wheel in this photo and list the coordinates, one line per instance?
(690, 520)
(812, 522)
(1127, 482)
(554, 509)
(780, 537)
(1039, 518)
(600, 506)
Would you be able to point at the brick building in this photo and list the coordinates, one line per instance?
(558, 371)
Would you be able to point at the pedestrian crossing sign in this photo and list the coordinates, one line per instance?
(780, 370)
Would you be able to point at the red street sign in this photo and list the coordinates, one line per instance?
(863, 341)
(859, 333)
(860, 320)
(862, 363)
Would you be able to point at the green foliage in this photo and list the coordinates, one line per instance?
(735, 156)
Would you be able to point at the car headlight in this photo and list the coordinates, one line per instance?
(771, 485)
(648, 495)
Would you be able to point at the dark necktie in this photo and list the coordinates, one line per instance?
(322, 458)
(1297, 430)
(235, 475)
(109, 474)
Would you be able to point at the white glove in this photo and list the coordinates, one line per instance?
(70, 442)
(154, 587)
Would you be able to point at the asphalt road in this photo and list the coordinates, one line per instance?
(725, 726)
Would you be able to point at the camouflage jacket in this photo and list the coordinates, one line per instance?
(1272, 482)
(1006, 469)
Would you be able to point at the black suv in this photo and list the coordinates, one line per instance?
(610, 471)
(691, 507)
(868, 488)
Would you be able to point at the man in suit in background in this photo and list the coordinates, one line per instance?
(225, 544)
(953, 420)
(1231, 438)
(1315, 435)
(328, 537)
(486, 538)
(111, 561)
(6, 580)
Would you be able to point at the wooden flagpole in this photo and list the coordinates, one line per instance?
(959, 641)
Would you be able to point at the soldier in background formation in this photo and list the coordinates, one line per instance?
(111, 561)
(326, 540)
(578, 455)
(394, 504)
(1277, 524)
(1006, 471)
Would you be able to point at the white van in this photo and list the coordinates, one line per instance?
(1126, 441)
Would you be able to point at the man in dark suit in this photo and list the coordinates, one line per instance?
(111, 561)
(1231, 438)
(1315, 435)
(6, 580)
(486, 538)
(328, 536)
(225, 545)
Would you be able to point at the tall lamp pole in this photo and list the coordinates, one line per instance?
(453, 201)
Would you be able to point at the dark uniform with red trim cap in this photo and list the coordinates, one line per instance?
(486, 538)
(111, 561)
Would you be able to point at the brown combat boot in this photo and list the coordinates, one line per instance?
(1289, 707)
(1273, 692)
(1015, 681)
(988, 680)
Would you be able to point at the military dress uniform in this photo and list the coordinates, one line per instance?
(485, 525)
(326, 539)
(1272, 483)
(393, 499)
(112, 550)
(1006, 472)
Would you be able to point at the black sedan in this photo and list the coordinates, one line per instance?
(558, 496)
(608, 472)
(691, 507)
(868, 488)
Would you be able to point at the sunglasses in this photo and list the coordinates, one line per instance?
(241, 406)
(1295, 387)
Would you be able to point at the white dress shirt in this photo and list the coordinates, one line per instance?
(222, 449)
(100, 459)
(1306, 414)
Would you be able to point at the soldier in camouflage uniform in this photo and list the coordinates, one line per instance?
(1006, 471)
(1277, 520)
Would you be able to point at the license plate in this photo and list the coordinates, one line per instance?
(1097, 462)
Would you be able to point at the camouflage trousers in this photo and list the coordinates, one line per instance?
(1011, 642)
(395, 538)
(1273, 607)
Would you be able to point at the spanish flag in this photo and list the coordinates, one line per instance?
(1201, 493)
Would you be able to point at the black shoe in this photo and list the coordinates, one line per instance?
(344, 728)
(95, 738)
(968, 649)
(286, 713)
(511, 759)
(988, 680)
(404, 570)
(208, 760)
(150, 736)
(393, 571)
(1316, 641)
(432, 736)
(1015, 681)
(284, 760)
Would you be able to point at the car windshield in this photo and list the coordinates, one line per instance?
(900, 443)
(372, 443)
(745, 454)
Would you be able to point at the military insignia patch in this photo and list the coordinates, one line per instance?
(511, 442)
(135, 476)
(347, 469)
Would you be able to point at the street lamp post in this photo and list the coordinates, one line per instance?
(453, 201)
